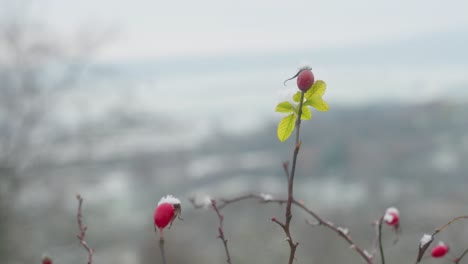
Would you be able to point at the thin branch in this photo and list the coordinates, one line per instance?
(440, 229)
(288, 214)
(220, 229)
(380, 240)
(457, 260)
(320, 221)
(226, 202)
(337, 230)
(161, 248)
(82, 230)
(423, 248)
(375, 240)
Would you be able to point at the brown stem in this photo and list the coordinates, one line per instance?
(225, 202)
(440, 229)
(220, 228)
(380, 241)
(457, 260)
(337, 230)
(82, 230)
(288, 214)
(320, 221)
(161, 247)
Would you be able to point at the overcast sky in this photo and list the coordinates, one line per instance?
(154, 28)
(368, 51)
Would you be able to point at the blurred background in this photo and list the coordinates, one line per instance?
(126, 101)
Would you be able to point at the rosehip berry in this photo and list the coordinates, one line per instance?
(392, 216)
(305, 79)
(165, 213)
(46, 260)
(440, 250)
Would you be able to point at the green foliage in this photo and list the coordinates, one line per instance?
(306, 113)
(286, 127)
(284, 107)
(318, 103)
(313, 98)
(297, 97)
(318, 89)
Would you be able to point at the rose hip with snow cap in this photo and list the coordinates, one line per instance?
(440, 250)
(305, 78)
(392, 216)
(165, 213)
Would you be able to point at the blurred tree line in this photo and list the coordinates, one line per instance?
(38, 66)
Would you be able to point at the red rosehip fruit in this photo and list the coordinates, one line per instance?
(440, 250)
(305, 79)
(163, 215)
(392, 216)
(46, 260)
(167, 210)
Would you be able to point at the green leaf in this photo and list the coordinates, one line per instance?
(318, 103)
(317, 89)
(297, 97)
(306, 113)
(284, 107)
(286, 127)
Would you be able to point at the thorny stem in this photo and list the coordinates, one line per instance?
(220, 230)
(423, 249)
(457, 260)
(161, 247)
(337, 230)
(380, 241)
(440, 229)
(286, 226)
(82, 230)
(320, 221)
(375, 241)
(225, 202)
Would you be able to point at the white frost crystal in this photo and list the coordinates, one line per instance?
(343, 230)
(424, 240)
(169, 199)
(266, 196)
(388, 217)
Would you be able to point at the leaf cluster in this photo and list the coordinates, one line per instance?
(312, 98)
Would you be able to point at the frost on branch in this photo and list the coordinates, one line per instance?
(368, 255)
(343, 230)
(266, 197)
(202, 202)
(424, 240)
